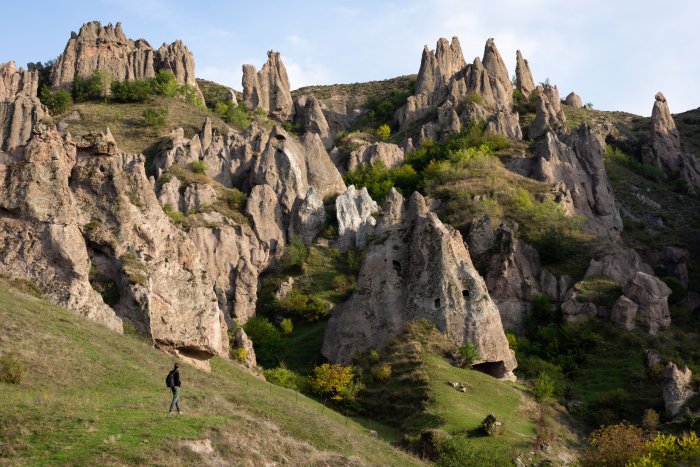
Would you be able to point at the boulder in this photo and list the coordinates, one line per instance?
(269, 88)
(308, 217)
(169, 194)
(624, 313)
(285, 288)
(388, 154)
(418, 268)
(677, 389)
(574, 310)
(354, 210)
(481, 236)
(573, 100)
(650, 294)
(523, 76)
(198, 196)
(505, 123)
(620, 266)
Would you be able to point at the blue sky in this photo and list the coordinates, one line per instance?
(614, 54)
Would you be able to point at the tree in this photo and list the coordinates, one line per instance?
(614, 445)
(384, 132)
(335, 381)
(57, 102)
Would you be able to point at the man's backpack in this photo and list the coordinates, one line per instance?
(170, 379)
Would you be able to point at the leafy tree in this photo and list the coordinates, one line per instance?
(137, 90)
(614, 445)
(94, 87)
(165, 83)
(544, 387)
(267, 341)
(57, 102)
(469, 354)
(335, 381)
(286, 326)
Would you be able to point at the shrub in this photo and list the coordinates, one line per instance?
(57, 102)
(335, 381)
(305, 306)
(134, 268)
(373, 356)
(650, 420)
(286, 326)
(614, 445)
(460, 450)
(155, 117)
(174, 215)
(286, 378)
(343, 284)
(266, 338)
(469, 354)
(239, 354)
(236, 199)
(237, 116)
(381, 373)
(198, 167)
(11, 369)
(512, 340)
(543, 388)
(165, 83)
(473, 98)
(670, 450)
(189, 95)
(295, 255)
(94, 87)
(137, 90)
(383, 132)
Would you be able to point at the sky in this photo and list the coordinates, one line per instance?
(614, 54)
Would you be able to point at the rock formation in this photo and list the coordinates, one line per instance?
(354, 210)
(548, 112)
(242, 341)
(20, 108)
(418, 268)
(677, 390)
(651, 296)
(310, 119)
(83, 216)
(574, 100)
(269, 88)
(445, 82)
(106, 48)
(264, 210)
(308, 217)
(389, 154)
(620, 266)
(576, 163)
(523, 76)
(665, 148)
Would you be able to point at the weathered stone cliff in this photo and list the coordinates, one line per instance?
(269, 88)
(20, 108)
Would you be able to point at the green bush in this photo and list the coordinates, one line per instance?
(286, 326)
(57, 102)
(239, 354)
(236, 199)
(460, 451)
(305, 306)
(383, 132)
(543, 387)
(381, 373)
(469, 354)
(155, 117)
(198, 167)
(335, 381)
(189, 94)
(286, 378)
(173, 214)
(237, 116)
(11, 369)
(267, 341)
(165, 83)
(94, 87)
(614, 445)
(295, 255)
(137, 90)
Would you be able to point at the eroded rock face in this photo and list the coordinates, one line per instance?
(354, 210)
(624, 313)
(523, 76)
(620, 266)
(548, 112)
(269, 88)
(20, 108)
(106, 48)
(665, 148)
(99, 223)
(264, 210)
(651, 295)
(241, 340)
(445, 82)
(308, 217)
(677, 389)
(418, 268)
(310, 118)
(388, 154)
(577, 163)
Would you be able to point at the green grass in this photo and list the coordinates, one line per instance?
(92, 397)
(303, 347)
(125, 121)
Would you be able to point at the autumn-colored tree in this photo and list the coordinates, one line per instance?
(614, 446)
(335, 381)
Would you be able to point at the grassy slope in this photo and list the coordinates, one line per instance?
(689, 127)
(126, 123)
(91, 397)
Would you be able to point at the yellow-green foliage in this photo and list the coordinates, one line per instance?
(381, 373)
(335, 381)
(602, 291)
(670, 450)
(286, 378)
(286, 326)
(383, 132)
(198, 167)
(239, 354)
(11, 369)
(614, 445)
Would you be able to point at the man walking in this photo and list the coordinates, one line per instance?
(173, 382)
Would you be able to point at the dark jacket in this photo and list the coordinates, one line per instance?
(176, 377)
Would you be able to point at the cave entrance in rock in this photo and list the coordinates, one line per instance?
(495, 369)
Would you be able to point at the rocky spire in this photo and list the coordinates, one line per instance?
(523, 76)
(269, 88)
(106, 48)
(548, 112)
(438, 67)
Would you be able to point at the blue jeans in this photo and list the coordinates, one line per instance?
(176, 398)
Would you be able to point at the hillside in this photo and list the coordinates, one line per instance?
(92, 397)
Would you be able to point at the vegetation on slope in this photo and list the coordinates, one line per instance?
(93, 397)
